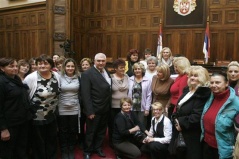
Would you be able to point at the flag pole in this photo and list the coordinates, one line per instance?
(160, 45)
(206, 46)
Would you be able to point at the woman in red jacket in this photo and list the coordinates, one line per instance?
(181, 66)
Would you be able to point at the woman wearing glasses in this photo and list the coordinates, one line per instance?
(160, 133)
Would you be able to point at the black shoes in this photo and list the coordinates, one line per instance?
(86, 156)
(100, 153)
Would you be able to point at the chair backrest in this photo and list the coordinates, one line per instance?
(223, 63)
(109, 60)
(198, 61)
(123, 58)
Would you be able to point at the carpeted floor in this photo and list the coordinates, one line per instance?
(106, 148)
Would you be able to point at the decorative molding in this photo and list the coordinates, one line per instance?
(59, 10)
(216, 17)
(231, 17)
(59, 36)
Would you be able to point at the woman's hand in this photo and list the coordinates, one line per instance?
(91, 117)
(147, 133)
(177, 126)
(148, 139)
(5, 135)
(146, 113)
(134, 129)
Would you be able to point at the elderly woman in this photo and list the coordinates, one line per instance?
(218, 132)
(69, 108)
(160, 133)
(189, 108)
(43, 94)
(14, 112)
(126, 124)
(23, 68)
(85, 64)
(161, 84)
(165, 57)
(233, 75)
(132, 58)
(152, 62)
(120, 88)
(140, 92)
(181, 66)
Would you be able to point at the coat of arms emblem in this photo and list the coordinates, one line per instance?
(184, 7)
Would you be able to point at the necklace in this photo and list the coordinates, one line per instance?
(70, 80)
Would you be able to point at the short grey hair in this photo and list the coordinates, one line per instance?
(152, 58)
(100, 55)
(141, 66)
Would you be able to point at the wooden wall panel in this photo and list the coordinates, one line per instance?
(2, 44)
(24, 31)
(126, 24)
(17, 44)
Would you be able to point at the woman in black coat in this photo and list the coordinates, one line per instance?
(186, 119)
(126, 125)
(14, 114)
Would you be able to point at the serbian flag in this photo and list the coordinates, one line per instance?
(160, 43)
(206, 45)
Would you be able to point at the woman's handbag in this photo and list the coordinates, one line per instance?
(180, 144)
(178, 147)
(139, 136)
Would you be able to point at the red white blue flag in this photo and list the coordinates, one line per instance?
(160, 41)
(206, 45)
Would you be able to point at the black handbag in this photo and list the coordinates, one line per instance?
(180, 144)
(178, 147)
(139, 136)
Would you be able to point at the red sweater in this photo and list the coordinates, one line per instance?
(176, 89)
(210, 117)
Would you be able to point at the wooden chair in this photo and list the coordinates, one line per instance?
(123, 58)
(109, 59)
(198, 61)
(223, 63)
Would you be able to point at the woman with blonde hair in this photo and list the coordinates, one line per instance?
(161, 84)
(165, 57)
(85, 64)
(181, 67)
(160, 133)
(233, 75)
(189, 108)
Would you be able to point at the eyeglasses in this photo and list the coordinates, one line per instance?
(166, 52)
(157, 110)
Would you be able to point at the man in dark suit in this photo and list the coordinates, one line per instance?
(96, 97)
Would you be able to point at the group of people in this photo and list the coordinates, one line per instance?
(145, 104)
